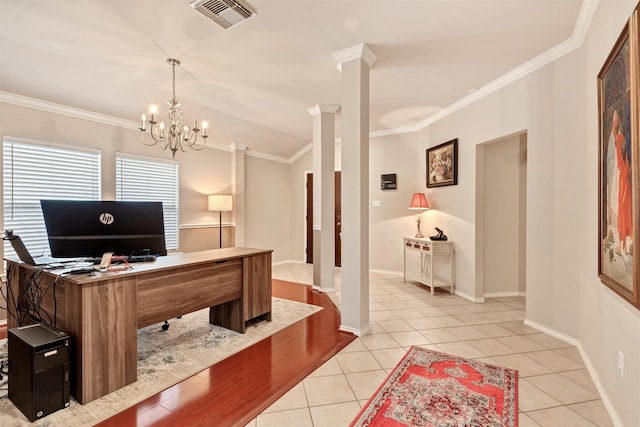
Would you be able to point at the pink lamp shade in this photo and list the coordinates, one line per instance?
(419, 201)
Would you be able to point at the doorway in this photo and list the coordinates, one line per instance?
(501, 217)
(337, 216)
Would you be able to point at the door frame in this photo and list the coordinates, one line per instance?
(308, 214)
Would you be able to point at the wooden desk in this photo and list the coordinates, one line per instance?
(103, 312)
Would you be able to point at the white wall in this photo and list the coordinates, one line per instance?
(393, 219)
(269, 213)
(606, 323)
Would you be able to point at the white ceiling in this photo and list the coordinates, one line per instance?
(255, 81)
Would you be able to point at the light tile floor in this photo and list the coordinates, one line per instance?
(555, 388)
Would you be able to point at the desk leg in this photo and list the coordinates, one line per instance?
(228, 315)
(404, 264)
(433, 285)
(104, 326)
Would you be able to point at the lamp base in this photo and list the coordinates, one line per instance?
(418, 222)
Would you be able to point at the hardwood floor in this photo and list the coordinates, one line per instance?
(236, 390)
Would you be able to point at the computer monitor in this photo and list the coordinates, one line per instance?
(83, 228)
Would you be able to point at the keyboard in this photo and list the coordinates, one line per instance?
(141, 258)
(130, 259)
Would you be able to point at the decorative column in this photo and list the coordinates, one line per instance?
(323, 196)
(238, 152)
(355, 63)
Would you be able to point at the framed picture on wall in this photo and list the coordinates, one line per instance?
(442, 164)
(619, 208)
(388, 181)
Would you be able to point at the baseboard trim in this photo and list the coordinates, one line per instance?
(606, 401)
(290, 261)
(357, 332)
(469, 297)
(615, 419)
(542, 328)
(395, 273)
(505, 294)
(321, 289)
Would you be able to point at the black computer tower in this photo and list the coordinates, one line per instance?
(38, 370)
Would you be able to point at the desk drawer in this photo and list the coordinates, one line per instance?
(181, 290)
(418, 246)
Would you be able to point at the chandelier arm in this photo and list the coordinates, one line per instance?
(154, 138)
(198, 143)
(166, 142)
(200, 146)
(190, 138)
(150, 144)
(157, 133)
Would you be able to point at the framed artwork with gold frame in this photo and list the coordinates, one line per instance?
(619, 165)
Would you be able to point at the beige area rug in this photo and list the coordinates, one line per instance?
(165, 358)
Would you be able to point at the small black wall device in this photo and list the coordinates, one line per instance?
(38, 370)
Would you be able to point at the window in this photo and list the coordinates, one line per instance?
(151, 180)
(35, 171)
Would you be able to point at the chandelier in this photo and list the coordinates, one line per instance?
(174, 134)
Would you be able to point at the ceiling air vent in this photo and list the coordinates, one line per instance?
(226, 13)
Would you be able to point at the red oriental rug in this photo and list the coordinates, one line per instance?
(429, 388)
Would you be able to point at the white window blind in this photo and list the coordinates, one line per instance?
(35, 171)
(151, 180)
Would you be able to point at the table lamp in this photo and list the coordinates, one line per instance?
(419, 203)
(220, 203)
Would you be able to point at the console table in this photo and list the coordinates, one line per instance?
(103, 311)
(430, 254)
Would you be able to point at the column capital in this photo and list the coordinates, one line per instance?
(237, 147)
(360, 51)
(323, 108)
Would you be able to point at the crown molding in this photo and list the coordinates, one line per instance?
(360, 51)
(261, 155)
(234, 146)
(50, 107)
(318, 109)
(304, 150)
(583, 22)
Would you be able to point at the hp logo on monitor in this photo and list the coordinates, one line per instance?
(106, 218)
